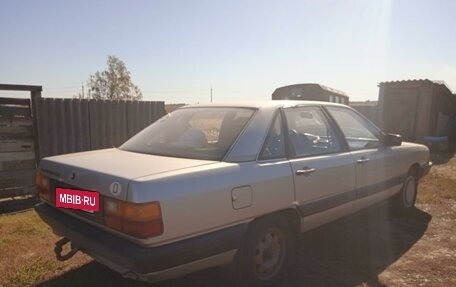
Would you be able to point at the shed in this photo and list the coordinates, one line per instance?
(415, 108)
(310, 92)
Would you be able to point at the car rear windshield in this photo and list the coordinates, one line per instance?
(197, 133)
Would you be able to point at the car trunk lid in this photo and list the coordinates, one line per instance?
(109, 171)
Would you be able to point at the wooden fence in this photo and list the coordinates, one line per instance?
(72, 125)
(31, 129)
(17, 154)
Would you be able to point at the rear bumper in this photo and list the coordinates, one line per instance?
(425, 168)
(140, 262)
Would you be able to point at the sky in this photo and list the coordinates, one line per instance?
(177, 50)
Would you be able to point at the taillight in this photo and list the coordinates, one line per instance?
(141, 220)
(42, 186)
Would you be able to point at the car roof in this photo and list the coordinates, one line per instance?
(263, 104)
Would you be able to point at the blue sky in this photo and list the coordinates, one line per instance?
(177, 50)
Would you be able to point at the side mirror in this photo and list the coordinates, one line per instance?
(392, 140)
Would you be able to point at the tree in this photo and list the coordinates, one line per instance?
(114, 83)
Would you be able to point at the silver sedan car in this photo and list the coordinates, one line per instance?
(214, 185)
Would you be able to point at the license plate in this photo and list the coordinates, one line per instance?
(85, 200)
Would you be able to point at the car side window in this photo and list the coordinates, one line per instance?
(309, 132)
(358, 132)
(274, 146)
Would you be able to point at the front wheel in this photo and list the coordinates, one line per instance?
(265, 254)
(405, 200)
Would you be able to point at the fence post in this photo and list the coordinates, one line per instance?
(35, 96)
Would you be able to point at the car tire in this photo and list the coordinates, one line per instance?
(404, 201)
(266, 253)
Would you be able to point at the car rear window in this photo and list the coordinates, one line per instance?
(198, 133)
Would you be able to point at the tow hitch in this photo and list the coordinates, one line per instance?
(59, 248)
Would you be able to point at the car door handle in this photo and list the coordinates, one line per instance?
(363, 160)
(305, 171)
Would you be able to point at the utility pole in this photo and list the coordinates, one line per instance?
(211, 94)
(82, 87)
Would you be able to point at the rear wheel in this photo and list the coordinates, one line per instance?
(266, 253)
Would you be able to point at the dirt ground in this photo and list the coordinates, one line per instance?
(372, 248)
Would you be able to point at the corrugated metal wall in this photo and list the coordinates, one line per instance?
(72, 125)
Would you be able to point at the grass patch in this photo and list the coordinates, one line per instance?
(23, 239)
(442, 190)
(22, 225)
(26, 248)
(30, 272)
(439, 186)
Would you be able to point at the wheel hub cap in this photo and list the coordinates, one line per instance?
(269, 254)
(409, 192)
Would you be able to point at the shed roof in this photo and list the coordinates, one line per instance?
(416, 82)
(323, 87)
(364, 104)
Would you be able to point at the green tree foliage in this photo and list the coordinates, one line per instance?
(114, 83)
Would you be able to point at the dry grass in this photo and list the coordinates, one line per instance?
(439, 186)
(19, 233)
(26, 249)
(370, 249)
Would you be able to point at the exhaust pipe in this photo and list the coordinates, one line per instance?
(59, 248)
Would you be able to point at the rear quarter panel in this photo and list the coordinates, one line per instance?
(199, 200)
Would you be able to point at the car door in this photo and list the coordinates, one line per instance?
(377, 175)
(323, 169)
